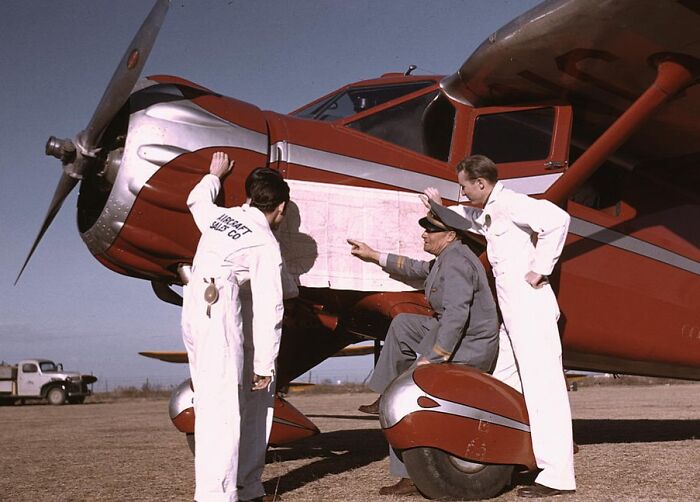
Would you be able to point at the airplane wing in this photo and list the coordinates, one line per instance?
(597, 55)
(168, 357)
(181, 357)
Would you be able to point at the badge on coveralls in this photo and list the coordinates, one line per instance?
(211, 295)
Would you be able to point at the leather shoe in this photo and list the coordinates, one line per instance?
(404, 487)
(537, 491)
(371, 409)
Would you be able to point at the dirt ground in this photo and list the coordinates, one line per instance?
(637, 444)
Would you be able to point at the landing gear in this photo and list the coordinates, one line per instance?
(441, 476)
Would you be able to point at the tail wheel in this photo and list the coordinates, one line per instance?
(441, 476)
(56, 396)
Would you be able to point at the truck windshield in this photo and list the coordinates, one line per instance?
(357, 99)
(48, 367)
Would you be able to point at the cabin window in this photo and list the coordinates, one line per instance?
(514, 136)
(358, 99)
(423, 124)
(602, 190)
(29, 368)
(48, 367)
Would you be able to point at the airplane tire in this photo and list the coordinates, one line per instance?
(440, 476)
(56, 396)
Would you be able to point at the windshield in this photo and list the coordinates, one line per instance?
(48, 367)
(357, 99)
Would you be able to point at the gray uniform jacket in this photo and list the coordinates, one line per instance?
(458, 291)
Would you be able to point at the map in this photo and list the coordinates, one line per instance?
(321, 217)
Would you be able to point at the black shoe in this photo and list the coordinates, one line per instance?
(537, 491)
(371, 409)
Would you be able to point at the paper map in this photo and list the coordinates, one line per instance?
(322, 216)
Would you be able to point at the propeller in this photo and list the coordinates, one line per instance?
(79, 154)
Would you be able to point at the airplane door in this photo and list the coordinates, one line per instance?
(530, 145)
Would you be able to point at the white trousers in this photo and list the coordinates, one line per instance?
(215, 350)
(257, 409)
(530, 317)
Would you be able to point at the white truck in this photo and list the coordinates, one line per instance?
(33, 379)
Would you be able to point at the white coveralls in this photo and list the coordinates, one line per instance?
(525, 234)
(257, 407)
(236, 247)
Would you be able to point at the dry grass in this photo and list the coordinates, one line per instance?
(638, 443)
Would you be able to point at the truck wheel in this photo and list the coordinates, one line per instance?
(76, 400)
(56, 396)
(439, 475)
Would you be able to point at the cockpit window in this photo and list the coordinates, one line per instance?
(423, 124)
(357, 99)
(514, 136)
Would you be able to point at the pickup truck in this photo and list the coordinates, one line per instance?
(42, 379)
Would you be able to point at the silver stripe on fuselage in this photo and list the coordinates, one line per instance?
(598, 233)
(394, 176)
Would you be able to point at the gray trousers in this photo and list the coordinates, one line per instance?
(399, 353)
(400, 349)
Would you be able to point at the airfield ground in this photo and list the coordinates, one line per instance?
(638, 443)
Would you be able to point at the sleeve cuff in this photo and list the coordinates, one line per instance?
(383, 258)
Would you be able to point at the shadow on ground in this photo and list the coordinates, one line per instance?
(596, 431)
(339, 451)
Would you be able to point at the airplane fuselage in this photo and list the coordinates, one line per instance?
(629, 280)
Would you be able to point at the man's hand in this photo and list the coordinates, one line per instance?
(536, 280)
(430, 193)
(220, 165)
(363, 251)
(260, 382)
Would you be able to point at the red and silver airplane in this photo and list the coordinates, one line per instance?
(590, 104)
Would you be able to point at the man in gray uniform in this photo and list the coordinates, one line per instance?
(463, 330)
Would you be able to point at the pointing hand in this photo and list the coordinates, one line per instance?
(363, 251)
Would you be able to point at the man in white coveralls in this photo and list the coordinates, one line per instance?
(525, 237)
(237, 247)
(257, 406)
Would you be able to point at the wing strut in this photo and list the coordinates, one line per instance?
(672, 76)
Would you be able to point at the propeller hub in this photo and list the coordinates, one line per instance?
(62, 149)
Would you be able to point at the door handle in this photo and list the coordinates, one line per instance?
(555, 164)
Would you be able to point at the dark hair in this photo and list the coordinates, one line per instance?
(266, 189)
(479, 166)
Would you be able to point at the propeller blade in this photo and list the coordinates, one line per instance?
(125, 76)
(64, 187)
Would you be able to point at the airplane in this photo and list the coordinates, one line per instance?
(591, 105)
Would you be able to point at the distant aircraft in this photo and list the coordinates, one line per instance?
(590, 104)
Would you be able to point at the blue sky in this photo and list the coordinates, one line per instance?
(56, 59)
